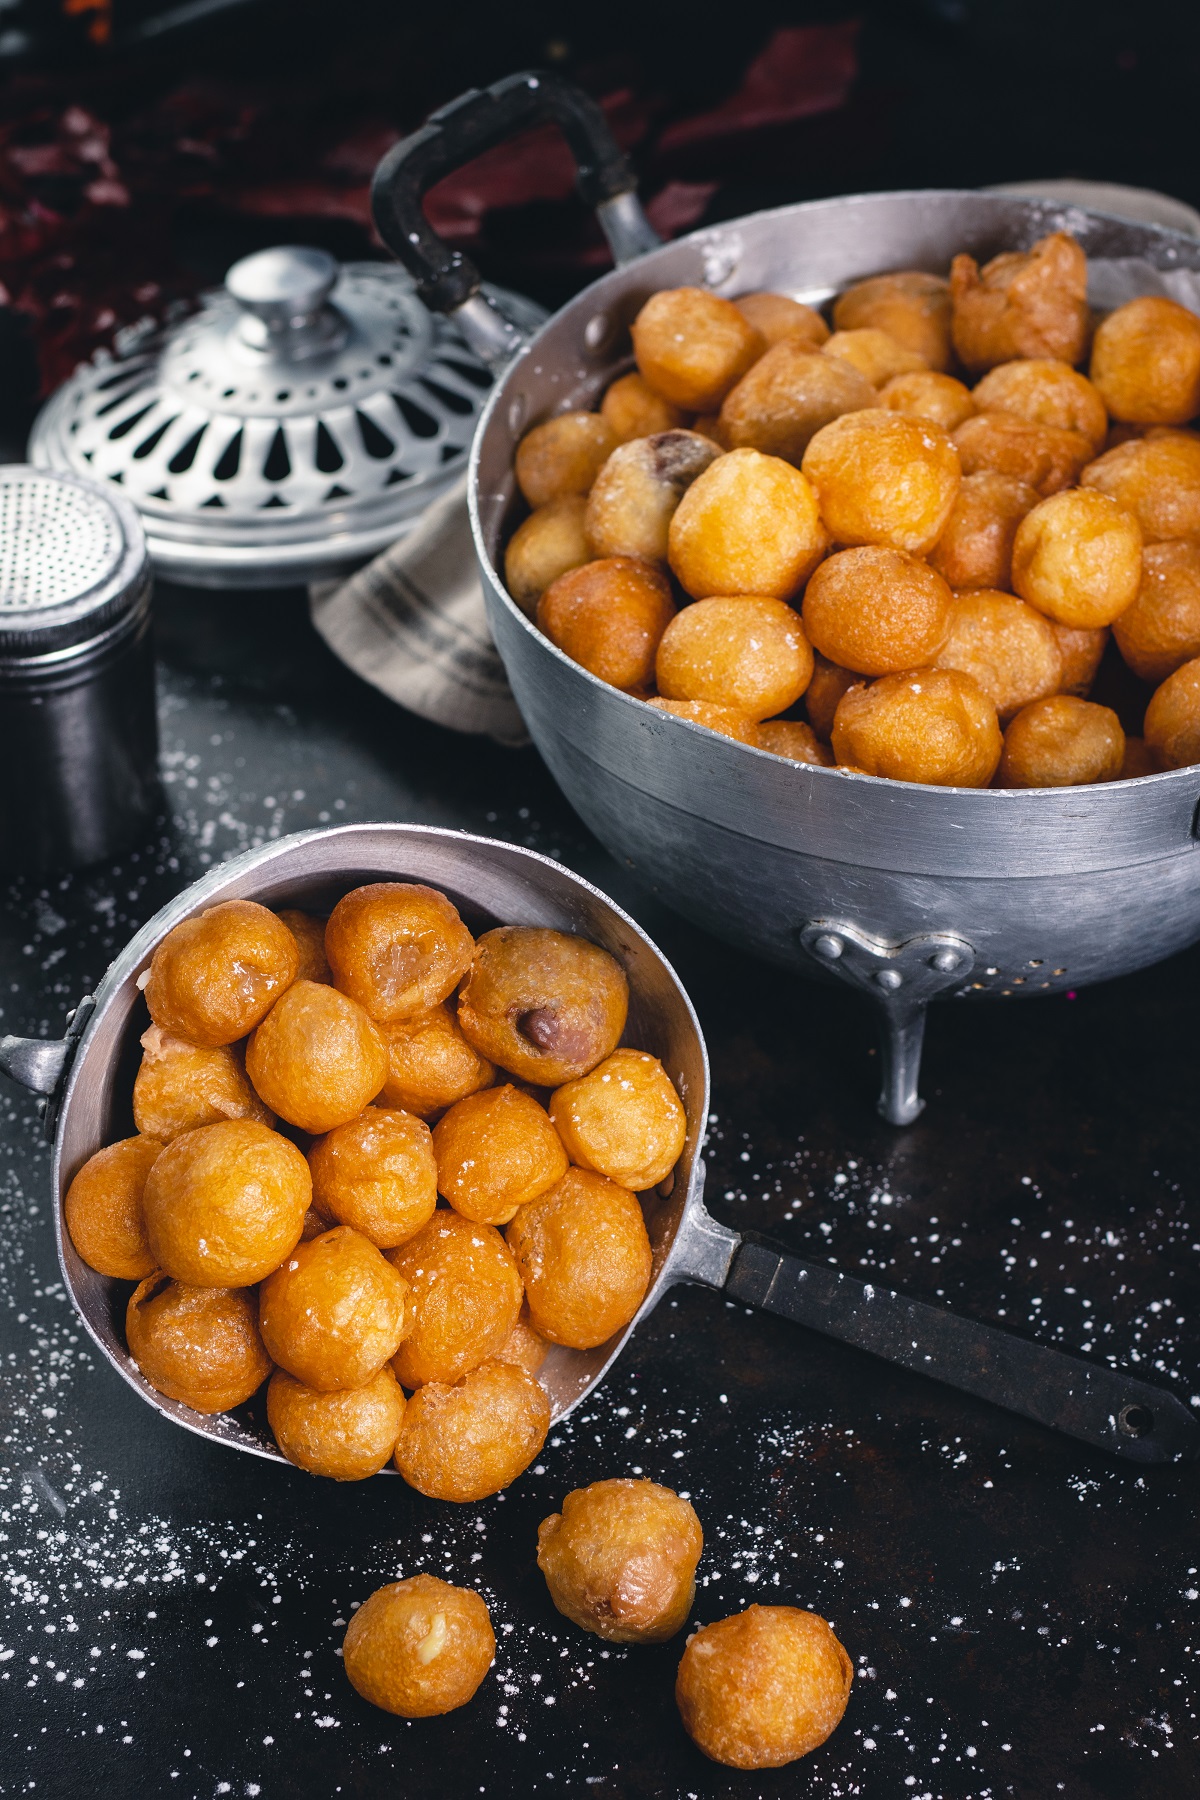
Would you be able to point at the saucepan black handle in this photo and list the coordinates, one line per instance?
(446, 279)
(1101, 1406)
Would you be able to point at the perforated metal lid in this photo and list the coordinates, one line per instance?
(73, 561)
(295, 425)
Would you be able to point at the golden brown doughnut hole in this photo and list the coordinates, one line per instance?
(1061, 742)
(1046, 393)
(419, 1647)
(747, 654)
(1172, 728)
(377, 1174)
(620, 1560)
(545, 1005)
(913, 307)
(877, 610)
(1007, 647)
(1077, 557)
(1157, 479)
(225, 1204)
(335, 1312)
(563, 456)
(345, 1435)
(103, 1209)
(935, 726)
(584, 1255)
(181, 1086)
(975, 549)
(430, 1063)
(1025, 303)
(316, 1059)
(200, 1345)
(795, 740)
(691, 346)
(722, 719)
(775, 317)
(884, 478)
(465, 1298)
(623, 1120)
(764, 1687)
(1161, 630)
(470, 1440)
(216, 975)
(749, 525)
(927, 394)
(1146, 362)
(608, 617)
(397, 947)
(544, 546)
(787, 397)
(632, 409)
(495, 1151)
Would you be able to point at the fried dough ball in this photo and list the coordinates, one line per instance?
(623, 1120)
(1146, 362)
(787, 397)
(309, 933)
(875, 354)
(495, 1151)
(1161, 630)
(1008, 647)
(397, 947)
(1026, 303)
(608, 617)
(225, 1204)
(795, 740)
(470, 1440)
(884, 478)
(912, 307)
(563, 456)
(629, 511)
(216, 975)
(1061, 742)
(103, 1209)
(620, 1560)
(1045, 457)
(523, 1346)
(749, 525)
(928, 394)
(747, 654)
(466, 1298)
(377, 1174)
(632, 409)
(775, 317)
(721, 719)
(1172, 728)
(584, 1255)
(180, 1086)
(975, 549)
(1077, 557)
(1081, 650)
(346, 1434)
(1138, 760)
(829, 682)
(1047, 393)
(877, 610)
(1157, 478)
(764, 1687)
(544, 546)
(317, 1059)
(935, 726)
(200, 1345)
(419, 1647)
(335, 1312)
(546, 1005)
(691, 346)
(430, 1063)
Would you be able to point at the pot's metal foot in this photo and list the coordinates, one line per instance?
(901, 978)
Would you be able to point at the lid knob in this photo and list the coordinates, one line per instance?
(283, 294)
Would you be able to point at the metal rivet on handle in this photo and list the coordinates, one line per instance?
(828, 946)
(890, 979)
(947, 961)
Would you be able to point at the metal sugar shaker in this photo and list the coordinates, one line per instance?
(78, 728)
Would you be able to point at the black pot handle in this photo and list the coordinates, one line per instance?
(1101, 1406)
(478, 119)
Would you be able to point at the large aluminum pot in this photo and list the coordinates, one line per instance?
(905, 892)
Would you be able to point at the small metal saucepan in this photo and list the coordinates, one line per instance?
(87, 1079)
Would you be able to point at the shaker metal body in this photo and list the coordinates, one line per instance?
(78, 729)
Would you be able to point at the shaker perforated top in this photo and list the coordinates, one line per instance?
(300, 421)
(73, 561)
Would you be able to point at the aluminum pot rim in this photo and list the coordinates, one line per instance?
(986, 798)
(134, 957)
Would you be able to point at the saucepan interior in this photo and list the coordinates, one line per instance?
(491, 883)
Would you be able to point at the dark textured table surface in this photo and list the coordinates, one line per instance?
(1023, 1615)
